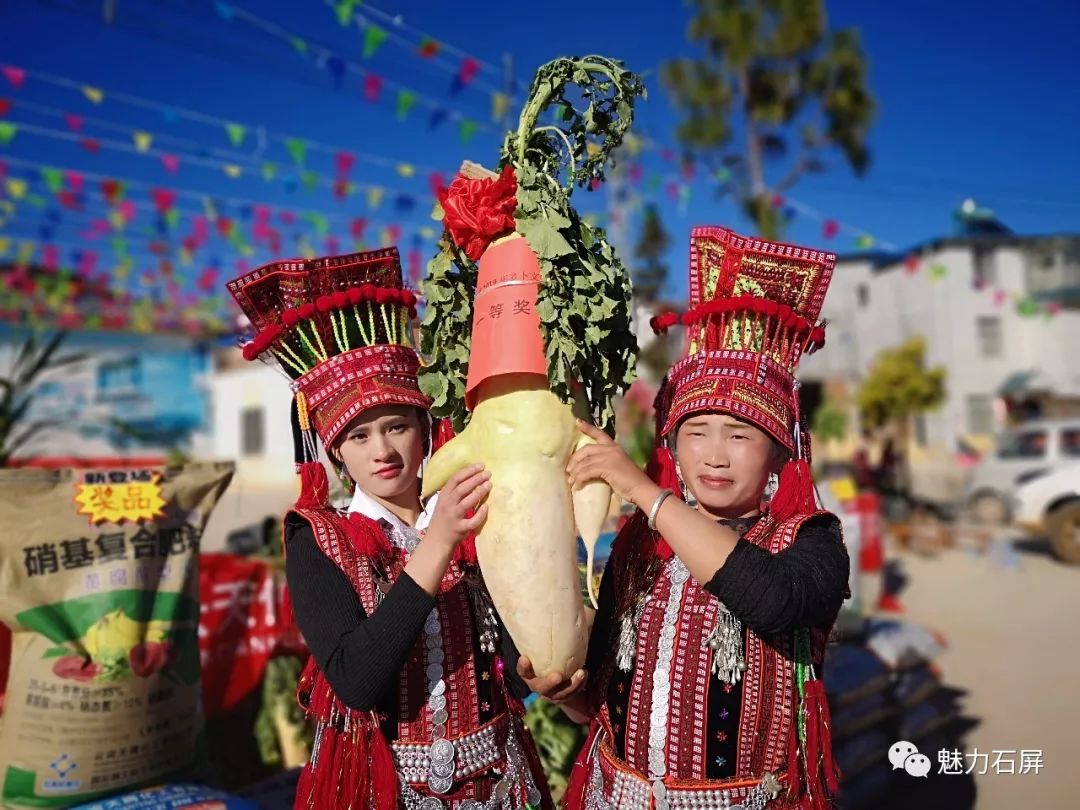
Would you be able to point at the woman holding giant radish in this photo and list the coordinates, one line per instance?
(705, 657)
(411, 683)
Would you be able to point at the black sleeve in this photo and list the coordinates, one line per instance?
(600, 635)
(802, 586)
(360, 656)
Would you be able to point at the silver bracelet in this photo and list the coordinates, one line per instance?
(663, 496)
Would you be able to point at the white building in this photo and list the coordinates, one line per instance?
(980, 301)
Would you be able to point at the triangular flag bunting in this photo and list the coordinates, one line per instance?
(310, 180)
(405, 101)
(16, 188)
(14, 75)
(500, 103)
(467, 130)
(269, 171)
(375, 196)
(5, 107)
(429, 48)
(95, 95)
(299, 45)
(90, 145)
(143, 140)
(53, 178)
(343, 162)
(7, 132)
(171, 163)
(406, 170)
(236, 133)
(372, 87)
(373, 38)
(297, 149)
(232, 170)
(74, 122)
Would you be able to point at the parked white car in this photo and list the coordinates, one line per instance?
(1049, 504)
(1031, 450)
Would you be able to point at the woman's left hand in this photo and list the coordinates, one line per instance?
(607, 461)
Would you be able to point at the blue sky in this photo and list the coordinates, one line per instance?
(973, 102)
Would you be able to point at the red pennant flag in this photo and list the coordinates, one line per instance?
(356, 228)
(74, 122)
(911, 264)
(372, 87)
(341, 189)
(436, 182)
(345, 162)
(393, 232)
(667, 155)
(595, 183)
(111, 190)
(469, 68)
(190, 244)
(224, 227)
(163, 199)
(74, 181)
(429, 48)
(830, 229)
(777, 201)
(200, 228)
(68, 199)
(50, 257)
(208, 280)
(14, 75)
(5, 107)
(288, 217)
(171, 163)
(262, 214)
(90, 145)
(275, 242)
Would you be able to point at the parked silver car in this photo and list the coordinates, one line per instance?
(1030, 450)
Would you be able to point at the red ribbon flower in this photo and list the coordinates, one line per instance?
(477, 211)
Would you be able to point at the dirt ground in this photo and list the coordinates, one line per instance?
(1010, 615)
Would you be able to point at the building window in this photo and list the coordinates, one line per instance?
(984, 266)
(980, 415)
(862, 295)
(252, 435)
(990, 338)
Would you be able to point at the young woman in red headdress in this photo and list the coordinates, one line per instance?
(413, 704)
(706, 651)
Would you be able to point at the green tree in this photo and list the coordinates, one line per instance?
(900, 386)
(830, 422)
(773, 89)
(650, 269)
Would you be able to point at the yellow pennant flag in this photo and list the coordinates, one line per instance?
(16, 188)
(93, 94)
(232, 170)
(406, 169)
(143, 140)
(5, 245)
(427, 233)
(8, 207)
(185, 257)
(374, 196)
(500, 103)
(116, 219)
(632, 143)
(26, 250)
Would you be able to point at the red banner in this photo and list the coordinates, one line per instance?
(245, 619)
